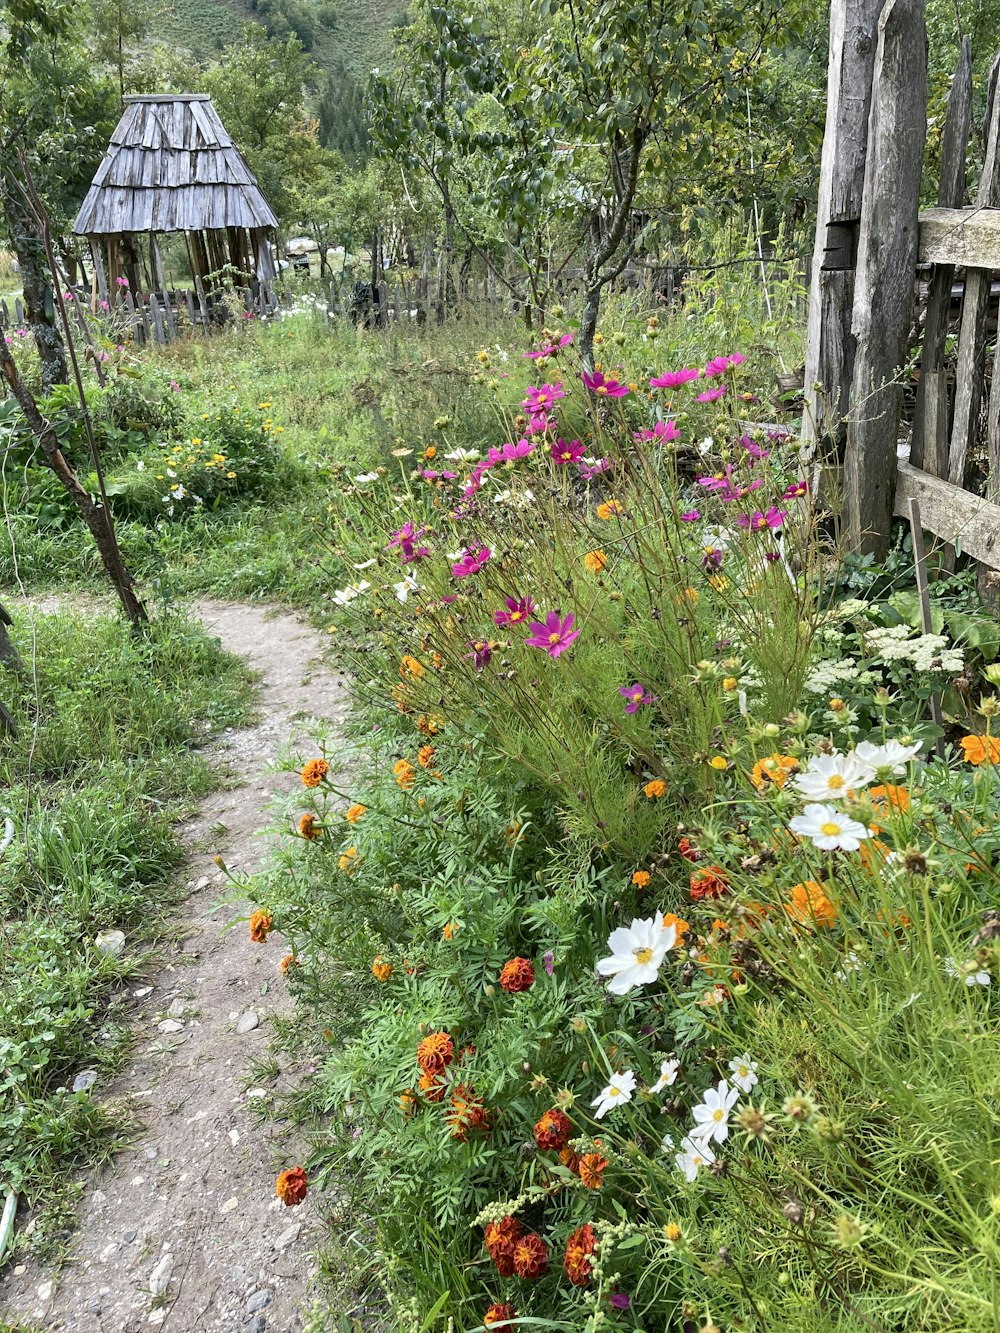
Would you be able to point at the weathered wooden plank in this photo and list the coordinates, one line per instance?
(969, 371)
(951, 194)
(887, 250)
(969, 236)
(157, 318)
(954, 515)
(829, 340)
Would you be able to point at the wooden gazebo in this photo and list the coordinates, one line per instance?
(172, 167)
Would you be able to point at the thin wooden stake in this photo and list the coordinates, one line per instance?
(923, 589)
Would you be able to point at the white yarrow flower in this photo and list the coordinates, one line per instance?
(712, 1115)
(619, 1090)
(892, 755)
(636, 953)
(829, 829)
(694, 1154)
(744, 1072)
(831, 777)
(669, 1069)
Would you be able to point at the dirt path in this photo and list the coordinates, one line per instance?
(183, 1231)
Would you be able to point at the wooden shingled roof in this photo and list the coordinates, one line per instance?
(171, 166)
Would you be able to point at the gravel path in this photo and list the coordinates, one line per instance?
(183, 1231)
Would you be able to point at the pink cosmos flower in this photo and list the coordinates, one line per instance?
(711, 395)
(509, 453)
(753, 449)
(717, 366)
(796, 490)
(604, 388)
(428, 474)
(690, 516)
(540, 400)
(553, 634)
(174, 387)
(736, 358)
(482, 651)
(673, 379)
(538, 425)
(550, 349)
(406, 539)
(726, 487)
(471, 562)
(636, 695)
(588, 471)
(663, 433)
(757, 522)
(103, 305)
(518, 609)
(567, 451)
(711, 558)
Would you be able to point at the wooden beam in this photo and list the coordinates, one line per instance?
(969, 236)
(883, 292)
(952, 514)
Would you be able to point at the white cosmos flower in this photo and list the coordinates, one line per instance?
(343, 596)
(636, 953)
(618, 1091)
(405, 586)
(968, 973)
(367, 564)
(462, 455)
(829, 829)
(669, 1069)
(712, 1115)
(365, 477)
(831, 777)
(892, 755)
(744, 1072)
(667, 1144)
(694, 1154)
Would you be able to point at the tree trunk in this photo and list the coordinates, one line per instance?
(39, 305)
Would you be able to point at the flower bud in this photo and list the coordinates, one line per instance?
(772, 730)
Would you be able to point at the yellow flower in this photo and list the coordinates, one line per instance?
(689, 595)
(196, 441)
(595, 561)
(730, 683)
(719, 582)
(719, 763)
(381, 970)
(409, 666)
(348, 863)
(609, 509)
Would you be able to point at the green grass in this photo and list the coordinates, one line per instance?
(105, 760)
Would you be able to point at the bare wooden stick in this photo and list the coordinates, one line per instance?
(923, 589)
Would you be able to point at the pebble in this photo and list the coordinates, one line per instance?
(85, 1080)
(129, 1237)
(288, 1237)
(257, 1324)
(170, 1025)
(230, 1204)
(159, 1279)
(176, 1009)
(247, 1022)
(45, 1290)
(258, 1301)
(110, 942)
(109, 1251)
(142, 992)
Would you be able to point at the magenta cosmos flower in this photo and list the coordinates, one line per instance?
(471, 562)
(673, 379)
(553, 634)
(796, 490)
(726, 487)
(406, 539)
(518, 609)
(664, 432)
(690, 516)
(588, 471)
(636, 695)
(754, 449)
(541, 400)
(567, 451)
(550, 349)
(604, 388)
(482, 651)
(758, 522)
(711, 395)
(509, 453)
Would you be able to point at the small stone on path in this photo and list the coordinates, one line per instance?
(258, 1301)
(230, 1204)
(247, 1022)
(110, 942)
(159, 1279)
(170, 1025)
(288, 1237)
(85, 1080)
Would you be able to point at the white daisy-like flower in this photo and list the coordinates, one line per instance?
(636, 953)
(851, 963)
(667, 1143)
(712, 1115)
(669, 1069)
(829, 829)
(462, 456)
(405, 586)
(967, 972)
(366, 564)
(744, 1072)
(365, 477)
(344, 596)
(892, 755)
(831, 777)
(617, 1093)
(694, 1154)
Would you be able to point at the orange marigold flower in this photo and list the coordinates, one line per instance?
(404, 773)
(608, 509)
(429, 726)
(712, 882)
(314, 772)
(450, 930)
(775, 768)
(531, 1257)
(409, 666)
(592, 1168)
(355, 812)
(810, 905)
(512, 833)
(436, 1052)
(425, 756)
(431, 1087)
(498, 1314)
(887, 799)
(261, 923)
(501, 1237)
(466, 1112)
(307, 827)
(349, 860)
(517, 975)
(292, 1186)
(655, 788)
(553, 1129)
(580, 1247)
(430, 451)
(595, 561)
(381, 970)
(570, 1160)
(679, 925)
(981, 749)
(288, 962)
(408, 1102)
(641, 878)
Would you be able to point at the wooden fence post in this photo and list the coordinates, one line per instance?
(887, 256)
(829, 340)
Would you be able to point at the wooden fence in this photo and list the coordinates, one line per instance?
(870, 237)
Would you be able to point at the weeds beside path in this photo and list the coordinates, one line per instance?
(183, 1230)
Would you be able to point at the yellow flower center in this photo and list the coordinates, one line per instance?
(614, 1092)
(642, 956)
(835, 781)
(718, 1114)
(601, 389)
(516, 615)
(829, 829)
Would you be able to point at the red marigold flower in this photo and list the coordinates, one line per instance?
(517, 975)
(289, 961)
(435, 1053)
(552, 1131)
(592, 1168)
(261, 924)
(307, 827)
(712, 882)
(292, 1186)
(580, 1247)
(688, 850)
(501, 1237)
(498, 1314)
(570, 1160)
(314, 772)
(531, 1257)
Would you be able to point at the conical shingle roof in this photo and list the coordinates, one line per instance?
(171, 166)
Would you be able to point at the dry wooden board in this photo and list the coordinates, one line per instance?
(955, 516)
(969, 236)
